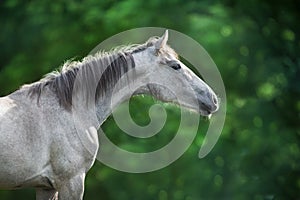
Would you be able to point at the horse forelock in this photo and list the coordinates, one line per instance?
(166, 50)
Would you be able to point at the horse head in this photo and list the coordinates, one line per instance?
(166, 78)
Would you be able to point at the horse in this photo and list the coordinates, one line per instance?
(40, 145)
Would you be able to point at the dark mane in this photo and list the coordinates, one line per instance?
(103, 70)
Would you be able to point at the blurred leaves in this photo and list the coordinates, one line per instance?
(256, 46)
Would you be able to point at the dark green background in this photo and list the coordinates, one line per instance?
(256, 47)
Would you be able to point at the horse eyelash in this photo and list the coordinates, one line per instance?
(175, 65)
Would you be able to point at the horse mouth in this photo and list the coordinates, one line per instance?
(201, 109)
(208, 109)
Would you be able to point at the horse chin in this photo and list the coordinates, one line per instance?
(205, 114)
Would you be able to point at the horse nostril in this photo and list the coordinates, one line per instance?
(215, 100)
(206, 107)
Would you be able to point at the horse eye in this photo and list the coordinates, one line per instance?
(176, 66)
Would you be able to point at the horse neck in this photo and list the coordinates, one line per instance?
(131, 83)
(104, 83)
(113, 97)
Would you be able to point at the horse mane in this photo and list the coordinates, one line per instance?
(110, 66)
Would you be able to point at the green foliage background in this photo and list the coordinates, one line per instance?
(254, 43)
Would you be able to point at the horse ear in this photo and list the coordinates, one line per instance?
(162, 41)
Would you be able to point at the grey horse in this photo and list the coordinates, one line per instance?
(40, 144)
